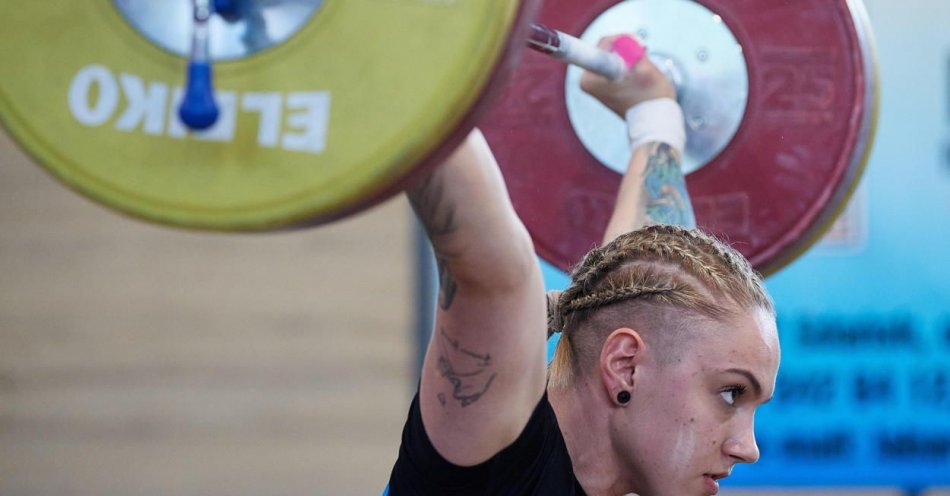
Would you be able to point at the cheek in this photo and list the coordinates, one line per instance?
(683, 449)
(689, 436)
(677, 432)
(680, 434)
(674, 455)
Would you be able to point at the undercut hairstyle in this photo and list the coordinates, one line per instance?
(660, 278)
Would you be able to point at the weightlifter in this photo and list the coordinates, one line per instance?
(668, 338)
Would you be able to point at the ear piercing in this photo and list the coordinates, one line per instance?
(623, 397)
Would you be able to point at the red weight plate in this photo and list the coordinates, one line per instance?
(774, 188)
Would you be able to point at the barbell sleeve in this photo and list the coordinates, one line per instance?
(562, 46)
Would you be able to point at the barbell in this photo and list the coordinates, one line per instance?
(327, 107)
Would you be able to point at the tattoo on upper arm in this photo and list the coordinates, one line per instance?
(437, 215)
(447, 286)
(470, 383)
(667, 199)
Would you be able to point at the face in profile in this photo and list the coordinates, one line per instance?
(691, 418)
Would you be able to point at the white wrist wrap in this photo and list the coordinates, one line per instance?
(660, 120)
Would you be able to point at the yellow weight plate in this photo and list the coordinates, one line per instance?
(329, 121)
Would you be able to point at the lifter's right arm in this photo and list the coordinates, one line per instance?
(653, 189)
(484, 369)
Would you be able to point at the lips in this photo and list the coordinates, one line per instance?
(712, 482)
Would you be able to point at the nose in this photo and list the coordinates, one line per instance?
(741, 446)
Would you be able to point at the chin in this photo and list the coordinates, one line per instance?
(702, 489)
(706, 486)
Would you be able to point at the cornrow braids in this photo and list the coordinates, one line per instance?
(661, 264)
(612, 295)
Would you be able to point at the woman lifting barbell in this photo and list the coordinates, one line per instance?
(668, 341)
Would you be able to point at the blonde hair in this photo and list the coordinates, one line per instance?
(660, 268)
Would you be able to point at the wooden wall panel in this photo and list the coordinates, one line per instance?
(139, 359)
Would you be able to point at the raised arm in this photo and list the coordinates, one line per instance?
(484, 369)
(485, 365)
(653, 190)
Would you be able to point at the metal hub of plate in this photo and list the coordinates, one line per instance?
(774, 187)
(261, 24)
(705, 62)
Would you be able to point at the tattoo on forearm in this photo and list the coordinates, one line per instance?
(437, 215)
(665, 187)
(469, 385)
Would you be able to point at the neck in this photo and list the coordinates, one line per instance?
(583, 416)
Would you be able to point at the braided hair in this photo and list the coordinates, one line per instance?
(661, 265)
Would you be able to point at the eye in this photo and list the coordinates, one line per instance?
(731, 394)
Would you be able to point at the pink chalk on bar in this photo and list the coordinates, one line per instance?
(629, 49)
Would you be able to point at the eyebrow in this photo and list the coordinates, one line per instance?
(756, 386)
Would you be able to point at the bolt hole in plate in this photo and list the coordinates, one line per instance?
(769, 184)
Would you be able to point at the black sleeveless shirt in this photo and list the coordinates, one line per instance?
(537, 463)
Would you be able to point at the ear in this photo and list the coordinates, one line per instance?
(622, 352)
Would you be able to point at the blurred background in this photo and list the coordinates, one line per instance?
(863, 396)
(138, 359)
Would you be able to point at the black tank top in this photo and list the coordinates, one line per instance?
(537, 463)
